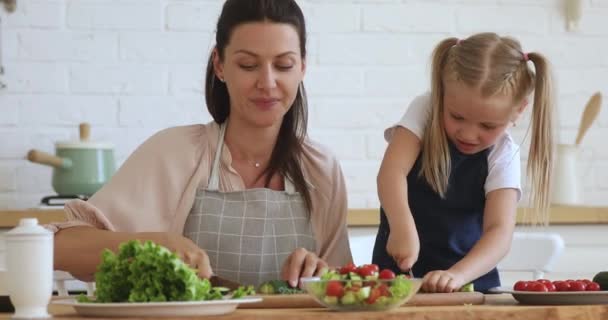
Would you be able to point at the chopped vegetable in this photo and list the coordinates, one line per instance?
(364, 288)
(278, 287)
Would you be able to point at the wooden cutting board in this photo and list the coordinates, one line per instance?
(279, 301)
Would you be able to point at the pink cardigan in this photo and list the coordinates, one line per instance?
(154, 189)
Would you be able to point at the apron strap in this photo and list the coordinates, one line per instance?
(289, 187)
(214, 177)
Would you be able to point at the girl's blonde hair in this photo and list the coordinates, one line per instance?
(493, 65)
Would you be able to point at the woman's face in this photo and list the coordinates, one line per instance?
(262, 69)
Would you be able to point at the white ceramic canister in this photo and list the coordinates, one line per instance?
(566, 179)
(29, 259)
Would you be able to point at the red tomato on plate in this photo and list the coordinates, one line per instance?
(537, 286)
(520, 286)
(593, 286)
(550, 286)
(562, 285)
(577, 286)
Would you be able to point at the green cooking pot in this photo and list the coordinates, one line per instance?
(81, 167)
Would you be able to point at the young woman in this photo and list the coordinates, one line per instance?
(248, 196)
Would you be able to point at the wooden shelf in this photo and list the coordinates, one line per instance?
(9, 219)
(356, 217)
(557, 215)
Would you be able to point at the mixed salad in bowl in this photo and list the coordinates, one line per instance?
(365, 287)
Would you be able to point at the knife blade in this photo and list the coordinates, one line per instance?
(218, 281)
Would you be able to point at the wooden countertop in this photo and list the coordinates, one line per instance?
(496, 307)
(557, 215)
(356, 217)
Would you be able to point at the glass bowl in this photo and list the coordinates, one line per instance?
(362, 295)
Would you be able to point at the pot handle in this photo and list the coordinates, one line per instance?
(42, 157)
(85, 131)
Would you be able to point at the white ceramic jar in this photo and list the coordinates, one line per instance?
(29, 259)
(566, 179)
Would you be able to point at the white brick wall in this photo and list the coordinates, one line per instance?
(132, 67)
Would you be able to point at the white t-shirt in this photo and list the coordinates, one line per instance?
(504, 167)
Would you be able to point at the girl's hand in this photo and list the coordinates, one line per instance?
(301, 263)
(442, 281)
(404, 247)
(189, 252)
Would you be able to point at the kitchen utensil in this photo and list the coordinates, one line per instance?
(589, 114)
(80, 167)
(566, 182)
(29, 277)
(222, 282)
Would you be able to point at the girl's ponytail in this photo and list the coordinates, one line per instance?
(541, 153)
(435, 156)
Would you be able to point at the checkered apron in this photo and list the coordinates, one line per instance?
(248, 234)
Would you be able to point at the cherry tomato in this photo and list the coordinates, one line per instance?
(593, 286)
(374, 267)
(373, 296)
(537, 286)
(577, 286)
(386, 274)
(334, 289)
(365, 270)
(550, 286)
(543, 281)
(561, 285)
(586, 281)
(520, 286)
(384, 291)
(349, 267)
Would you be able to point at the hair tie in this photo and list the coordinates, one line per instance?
(526, 58)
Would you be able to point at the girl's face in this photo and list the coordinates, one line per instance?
(474, 123)
(262, 69)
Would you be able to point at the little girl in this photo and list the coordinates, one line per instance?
(449, 182)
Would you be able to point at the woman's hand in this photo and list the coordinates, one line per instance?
(301, 263)
(404, 247)
(442, 281)
(189, 252)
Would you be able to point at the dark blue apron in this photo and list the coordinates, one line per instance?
(448, 228)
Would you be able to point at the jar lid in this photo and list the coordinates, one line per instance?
(27, 227)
